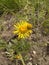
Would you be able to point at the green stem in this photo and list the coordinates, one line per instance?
(22, 59)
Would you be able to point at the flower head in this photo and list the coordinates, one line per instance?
(18, 57)
(23, 29)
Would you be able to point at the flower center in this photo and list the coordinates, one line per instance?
(23, 29)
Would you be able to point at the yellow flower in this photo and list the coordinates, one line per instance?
(18, 56)
(23, 29)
